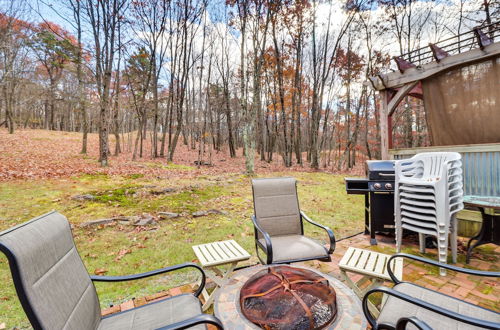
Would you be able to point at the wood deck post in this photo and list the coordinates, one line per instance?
(384, 127)
(389, 104)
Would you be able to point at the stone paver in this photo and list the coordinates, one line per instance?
(156, 296)
(111, 310)
(127, 305)
(175, 291)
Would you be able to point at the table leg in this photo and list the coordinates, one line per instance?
(219, 281)
(475, 237)
(488, 233)
(205, 294)
(361, 292)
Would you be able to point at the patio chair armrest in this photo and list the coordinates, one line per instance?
(152, 273)
(198, 319)
(331, 236)
(435, 263)
(426, 305)
(267, 239)
(403, 322)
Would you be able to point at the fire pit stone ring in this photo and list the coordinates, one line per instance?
(227, 302)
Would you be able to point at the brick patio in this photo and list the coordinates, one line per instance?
(484, 292)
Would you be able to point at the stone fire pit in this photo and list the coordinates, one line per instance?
(227, 307)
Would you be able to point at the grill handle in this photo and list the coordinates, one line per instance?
(387, 174)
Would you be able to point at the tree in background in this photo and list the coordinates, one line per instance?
(104, 17)
(149, 25)
(54, 49)
(14, 59)
(76, 8)
(139, 73)
(280, 78)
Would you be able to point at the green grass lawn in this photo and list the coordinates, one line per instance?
(322, 197)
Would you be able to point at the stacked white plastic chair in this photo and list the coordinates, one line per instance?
(428, 194)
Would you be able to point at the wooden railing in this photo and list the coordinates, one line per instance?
(457, 44)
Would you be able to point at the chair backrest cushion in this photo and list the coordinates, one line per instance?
(276, 206)
(52, 283)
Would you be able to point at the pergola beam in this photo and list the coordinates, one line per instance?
(396, 99)
(397, 79)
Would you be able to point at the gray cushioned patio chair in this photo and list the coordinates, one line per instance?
(278, 224)
(409, 306)
(56, 291)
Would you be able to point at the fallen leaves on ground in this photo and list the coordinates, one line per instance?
(490, 282)
(32, 154)
(100, 271)
(122, 254)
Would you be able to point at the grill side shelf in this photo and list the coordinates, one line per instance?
(357, 186)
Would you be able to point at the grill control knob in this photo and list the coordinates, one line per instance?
(377, 185)
(388, 186)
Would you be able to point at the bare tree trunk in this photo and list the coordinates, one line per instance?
(116, 122)
(287, 152)
(248, 126)
(230, 139)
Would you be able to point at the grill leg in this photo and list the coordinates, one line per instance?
(367, 214)
(374, 204)
(373, 240)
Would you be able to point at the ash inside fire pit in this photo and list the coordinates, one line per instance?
(284, 297)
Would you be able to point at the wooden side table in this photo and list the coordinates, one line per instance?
(373, 267)
(213, 255)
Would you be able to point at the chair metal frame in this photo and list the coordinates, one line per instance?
(401, 324)
(268, 249)
(35, 320)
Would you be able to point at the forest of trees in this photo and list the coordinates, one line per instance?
(283, 80)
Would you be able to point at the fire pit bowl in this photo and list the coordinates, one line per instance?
(341, 308)
(283, 297)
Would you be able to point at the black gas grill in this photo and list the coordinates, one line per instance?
(378, 188)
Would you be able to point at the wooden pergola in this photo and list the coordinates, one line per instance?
(468, 48)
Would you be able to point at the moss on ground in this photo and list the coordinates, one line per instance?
(170, 166)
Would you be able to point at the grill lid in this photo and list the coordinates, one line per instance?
(381, 170)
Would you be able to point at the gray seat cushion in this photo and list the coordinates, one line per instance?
(395, 308)
(292, 247)
(155, 315)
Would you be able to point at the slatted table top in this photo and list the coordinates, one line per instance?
(370, 263)
(219, 253)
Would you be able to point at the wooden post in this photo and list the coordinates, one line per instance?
(384, 129)
(389, 130)
(389, 104)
